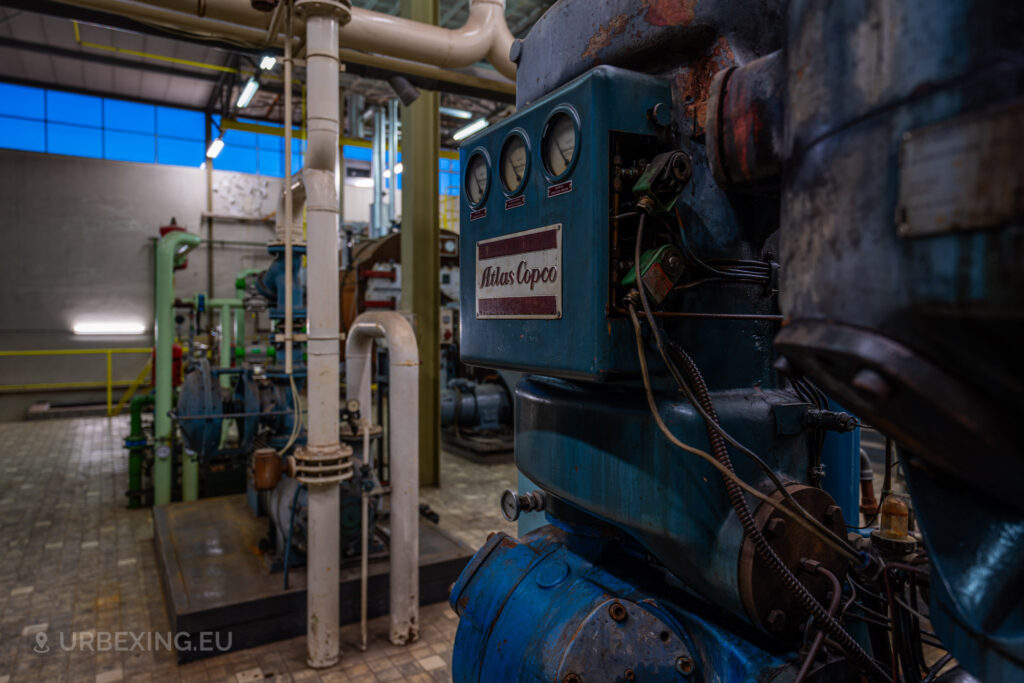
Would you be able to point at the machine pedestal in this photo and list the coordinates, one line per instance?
(215, 579)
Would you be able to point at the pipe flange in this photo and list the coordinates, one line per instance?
(322, 465)
(339, 9)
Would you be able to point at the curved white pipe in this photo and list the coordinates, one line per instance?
(485, 35)
(403, 422)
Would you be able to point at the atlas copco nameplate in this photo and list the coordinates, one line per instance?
(520, 275)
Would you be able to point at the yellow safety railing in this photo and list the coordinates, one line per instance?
(109, 384)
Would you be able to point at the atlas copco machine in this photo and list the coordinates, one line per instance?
(720, 236)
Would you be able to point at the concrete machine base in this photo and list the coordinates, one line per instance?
(216, 580)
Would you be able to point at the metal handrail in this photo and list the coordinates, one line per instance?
(109, 384)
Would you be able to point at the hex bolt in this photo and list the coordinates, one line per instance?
(871, 382)
(776, 527)
(617, 612)
(776, 620)
(684, 665)
(572, 678)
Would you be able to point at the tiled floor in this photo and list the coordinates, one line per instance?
(75, 564)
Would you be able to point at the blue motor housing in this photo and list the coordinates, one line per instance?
(576, 604)
(271, 282)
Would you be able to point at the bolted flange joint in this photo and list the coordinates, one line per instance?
(322, 465)
(339, 9)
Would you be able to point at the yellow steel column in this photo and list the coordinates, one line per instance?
(421, 255)
(110, 383)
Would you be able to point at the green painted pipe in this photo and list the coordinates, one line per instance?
(240, 295)
(171, 250)
(225, 306)
(136, 450)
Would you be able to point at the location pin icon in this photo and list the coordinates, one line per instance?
(41, 642)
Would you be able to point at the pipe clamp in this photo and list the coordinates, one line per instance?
(320, 465)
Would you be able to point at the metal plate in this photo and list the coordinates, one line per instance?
(964, 174)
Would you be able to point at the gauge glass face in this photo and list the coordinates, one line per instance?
(513, 163)
(559, 143)
(353, 405)
(476, 179)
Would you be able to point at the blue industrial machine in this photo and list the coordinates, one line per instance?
(707, 224)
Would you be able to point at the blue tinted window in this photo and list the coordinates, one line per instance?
(239, 138)
(271, 143)
(132, 116)
(129, 146)
(455, 166)
(18, 100)
(180, 123)
(76, 141)
(296, 162)
(241, 159)
(22, 134)
(271, 163)
(444, 164)
(357, 153)
(71, 108)
(180, 152)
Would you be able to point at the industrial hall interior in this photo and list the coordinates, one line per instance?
(575, 341)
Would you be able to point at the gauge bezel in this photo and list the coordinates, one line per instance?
(481, 152)
(574, 117)
(522, 135)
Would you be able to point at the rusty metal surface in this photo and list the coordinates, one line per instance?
(963, 174)
(215, 577)
(767, 601)
(645, 35)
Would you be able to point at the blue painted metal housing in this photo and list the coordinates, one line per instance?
(547, 607)
(584, 343)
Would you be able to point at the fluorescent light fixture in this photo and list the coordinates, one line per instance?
(214, 149)
(362, 182)
(466, 131)
(398, 170)
(268, 62)
(251, 86)
(109, 327)
(456, 113)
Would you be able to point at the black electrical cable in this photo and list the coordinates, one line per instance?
(937, 667)
(827, 534)
(825, 622)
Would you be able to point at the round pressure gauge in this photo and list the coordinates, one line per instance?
(352, 405)
(514, 162)
(477, 178)
(558, 146)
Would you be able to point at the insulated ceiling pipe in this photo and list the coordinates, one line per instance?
(485, 35)
(403, 421)
(324, 462)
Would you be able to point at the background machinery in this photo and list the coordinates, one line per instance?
(709, 228)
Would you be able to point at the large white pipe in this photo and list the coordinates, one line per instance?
(403, 421)
(323, 463)
(485, 35)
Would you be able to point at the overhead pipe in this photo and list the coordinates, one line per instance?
(324, 462)
(484, 36)
(403, 421)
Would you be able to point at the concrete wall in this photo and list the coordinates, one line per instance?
(77, 243)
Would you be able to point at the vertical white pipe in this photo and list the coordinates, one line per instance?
(377, 171)
(403, 421)
(287, 218)
(323, 453)
(393, 157)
